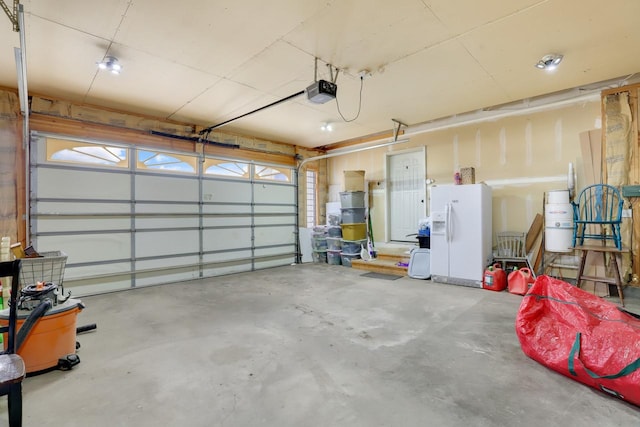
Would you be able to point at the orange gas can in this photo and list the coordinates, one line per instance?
(519, 281)
(495, 278)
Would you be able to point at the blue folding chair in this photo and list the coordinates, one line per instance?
(597, 205)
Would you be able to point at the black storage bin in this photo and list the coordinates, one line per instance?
(425, 241)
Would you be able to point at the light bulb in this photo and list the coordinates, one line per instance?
(110, 63)
(549, 62)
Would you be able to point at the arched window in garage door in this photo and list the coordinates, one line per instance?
(166, 162)
(271, 173)
(76, 152)
(226, 168)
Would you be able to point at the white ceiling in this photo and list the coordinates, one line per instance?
(204, 62)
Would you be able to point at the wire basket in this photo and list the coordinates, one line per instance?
(48, 268)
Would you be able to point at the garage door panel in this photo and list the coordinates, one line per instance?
(227, 262)
(166, 215)
(167, 276)
(275, 220)
(279, 250)
(273, 193)
(279, 262)
(227, 269)
(88, 247)
(226, 238)
(226, 221)
(155, 187)
(220, 191)
(82, 184)
(76, 272)
(167, 263)
(266, 236)
(146, 223)
(226, 256)
(275, 256)
(161, 243)
(271, 209)
(167, 270)
(78, 207)
(167, 208)
(226, 209)
(66, 224)
(98, 285)
(83, 273)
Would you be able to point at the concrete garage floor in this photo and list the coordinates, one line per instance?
(310, 345)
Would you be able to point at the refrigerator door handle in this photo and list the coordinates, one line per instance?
(450, 233)
(447, 219)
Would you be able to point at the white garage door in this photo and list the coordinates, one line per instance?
(129, 216)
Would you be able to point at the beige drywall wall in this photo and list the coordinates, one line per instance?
(521, 157)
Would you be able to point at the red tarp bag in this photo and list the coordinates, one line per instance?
(581, 336)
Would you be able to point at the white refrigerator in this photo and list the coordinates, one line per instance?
(461, 233)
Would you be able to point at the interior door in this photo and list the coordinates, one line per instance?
(406, 197)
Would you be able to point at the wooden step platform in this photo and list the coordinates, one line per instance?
(383, 263)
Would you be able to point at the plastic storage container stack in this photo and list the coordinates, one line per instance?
(319, 244)
(354, 226)
(334, 247)
(334, 239)
(334, 257)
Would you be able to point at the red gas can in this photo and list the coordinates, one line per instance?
(495, 278)
(519, 281)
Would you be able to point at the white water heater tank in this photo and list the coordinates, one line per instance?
(558, 229)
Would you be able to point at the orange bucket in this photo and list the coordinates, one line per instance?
(52, 338)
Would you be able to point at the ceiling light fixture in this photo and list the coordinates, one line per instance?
(110, 63)
(549, 62)
(326, 127)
